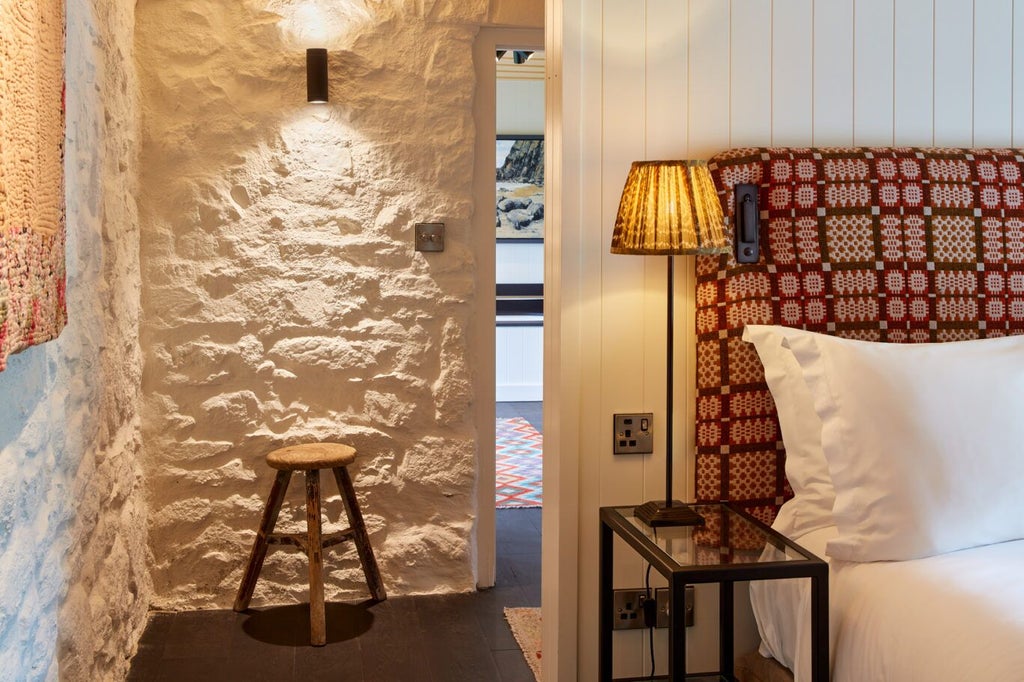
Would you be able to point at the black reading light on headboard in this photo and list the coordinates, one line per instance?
(748, 224)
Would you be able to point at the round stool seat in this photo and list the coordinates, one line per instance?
(308, 456)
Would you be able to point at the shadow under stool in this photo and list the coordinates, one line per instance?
(311, 458)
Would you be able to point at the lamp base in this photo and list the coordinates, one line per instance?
(656, 513)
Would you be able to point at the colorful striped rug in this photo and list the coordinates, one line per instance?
(519, 464)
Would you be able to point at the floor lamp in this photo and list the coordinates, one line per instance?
(669, 208)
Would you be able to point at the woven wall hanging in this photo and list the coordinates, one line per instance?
(32, 285)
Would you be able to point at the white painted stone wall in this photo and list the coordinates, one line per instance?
(283, 300)
(73, 582)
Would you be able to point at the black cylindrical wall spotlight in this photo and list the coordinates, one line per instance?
(316, 75)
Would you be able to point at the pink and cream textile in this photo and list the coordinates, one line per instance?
(901, 245)
(32, 285)
(519, 465)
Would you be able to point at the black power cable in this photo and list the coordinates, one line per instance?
(650, 607)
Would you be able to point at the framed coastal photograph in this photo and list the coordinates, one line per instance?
(519, 196)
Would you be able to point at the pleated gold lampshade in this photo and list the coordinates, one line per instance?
(669, 208)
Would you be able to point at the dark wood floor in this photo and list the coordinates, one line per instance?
(531, 412)
(450, 638)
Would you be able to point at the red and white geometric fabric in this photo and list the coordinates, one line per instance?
(903, 245)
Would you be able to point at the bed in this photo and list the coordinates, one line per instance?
(858, 388)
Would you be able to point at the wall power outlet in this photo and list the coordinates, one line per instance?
(661, 600)
(629, 608)
(633, 434)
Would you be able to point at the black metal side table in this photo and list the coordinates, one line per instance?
(730, 547)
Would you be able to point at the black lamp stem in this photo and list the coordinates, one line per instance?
(667, 512)
(670, 373)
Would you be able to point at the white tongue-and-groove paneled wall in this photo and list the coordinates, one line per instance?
(685, 79)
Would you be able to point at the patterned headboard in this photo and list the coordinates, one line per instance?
(885, 244)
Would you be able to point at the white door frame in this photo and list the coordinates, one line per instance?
(482, 331)
(562, 346)
(562, 371)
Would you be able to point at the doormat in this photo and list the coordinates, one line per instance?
(525, 624)
(519, 464)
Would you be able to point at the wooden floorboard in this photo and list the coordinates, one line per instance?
(389, 651)
(512, 667)
(456, 647)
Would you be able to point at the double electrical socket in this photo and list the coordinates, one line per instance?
(629, 608)
(633, 434)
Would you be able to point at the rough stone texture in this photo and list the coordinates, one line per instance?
(74, 588)
(283, 299)
(527, 13)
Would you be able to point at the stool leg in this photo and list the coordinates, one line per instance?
(259, 547)
(355, 520)
(317, 620)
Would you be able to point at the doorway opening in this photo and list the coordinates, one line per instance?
(490, 43)
(519, 314)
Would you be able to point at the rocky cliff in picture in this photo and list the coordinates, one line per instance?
(520, 188)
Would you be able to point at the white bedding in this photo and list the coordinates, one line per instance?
(949, 617)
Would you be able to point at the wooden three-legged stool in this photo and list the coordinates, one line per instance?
(311, 458)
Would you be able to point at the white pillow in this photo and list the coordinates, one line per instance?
(806, 468)
(923, 441)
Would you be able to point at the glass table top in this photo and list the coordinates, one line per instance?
(727, 537)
